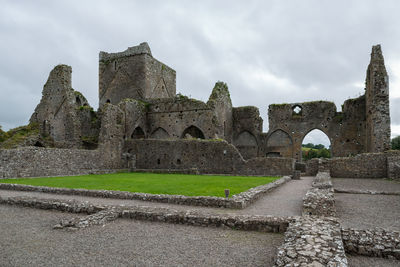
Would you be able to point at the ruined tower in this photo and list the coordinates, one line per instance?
(377, 103)
(64, 115)
(135, 74)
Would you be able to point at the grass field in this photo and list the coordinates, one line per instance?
(173, 184)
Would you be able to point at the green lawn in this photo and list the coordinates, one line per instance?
(173, 184)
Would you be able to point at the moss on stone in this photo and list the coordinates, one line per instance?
(90, 139)
(279, 105)
(219, 91)
(338, 117)
(17, 136)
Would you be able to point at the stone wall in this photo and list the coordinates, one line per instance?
(312, 241)
(393, 167)
(312, 167)
(189, 217)
(207, 156)
(372, 243)
(368, 165)
(63, 115)
(290, 123)
(377, 103)
(247, 126)
(36, 162)
(134, 73)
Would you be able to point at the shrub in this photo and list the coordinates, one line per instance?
(396, 143)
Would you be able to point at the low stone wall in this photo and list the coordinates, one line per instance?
(393, 167)
(369, 165)
(366, 192)
(322, 180)
(312, 167)
(238, 201)
(38, 162)
(312, 241)
(320, 200)
(189, 217)
(207, 156)
(372, 243)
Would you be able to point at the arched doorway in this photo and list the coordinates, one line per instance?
(279, 144)
(193, 131)
(316, 144)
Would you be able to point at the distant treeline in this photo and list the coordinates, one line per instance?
(310, 151)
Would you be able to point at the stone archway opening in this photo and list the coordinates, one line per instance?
(192, 132)
(316, 144)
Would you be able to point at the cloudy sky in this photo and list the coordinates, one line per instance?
(266, 51)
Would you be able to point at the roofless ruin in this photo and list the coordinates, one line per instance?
(142, 123)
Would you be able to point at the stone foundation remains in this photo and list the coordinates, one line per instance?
(239, 201)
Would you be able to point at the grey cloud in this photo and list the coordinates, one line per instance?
(320, 48)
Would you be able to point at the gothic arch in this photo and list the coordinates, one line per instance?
(279, 144)
(313, 129)
(321, 131)
(247, 144)
(159, 133)
(246, 138)
(193, 131)
(138, 133)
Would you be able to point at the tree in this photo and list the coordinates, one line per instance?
(324, 153)
(320, 146)
(2, 135)
(309, 145)
(396, 143)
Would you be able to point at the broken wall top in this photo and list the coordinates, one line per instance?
(143, 48)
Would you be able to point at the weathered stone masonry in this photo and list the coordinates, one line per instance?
(138, 102)
(143, 90)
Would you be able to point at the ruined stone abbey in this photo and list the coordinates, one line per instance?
(142, 123)
(141, 91)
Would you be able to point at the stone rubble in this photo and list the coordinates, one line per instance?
(372, 242)
(369, 192)
(312, 241)
(322, 180)
(319, 202)
(320, 199)
(100, 214)
(98, 218)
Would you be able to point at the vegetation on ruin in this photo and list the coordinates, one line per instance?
(396, 143)
(278, 105)
(94, 140)
(17, 136)
(310, 151)
(338, 117)
(86, 107)
(220, 88)
(172, 184)
(2, 135)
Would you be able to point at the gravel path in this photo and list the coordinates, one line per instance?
(368, 211)
(285, 200)
(362, 261)
(27, 239)
(366, 184)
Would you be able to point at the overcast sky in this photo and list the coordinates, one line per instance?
(266, 51)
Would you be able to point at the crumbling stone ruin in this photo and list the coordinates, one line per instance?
(143, 125)
(137, 96)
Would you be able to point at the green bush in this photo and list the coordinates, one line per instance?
(2, 135)
(396, 143)
(310, 151)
